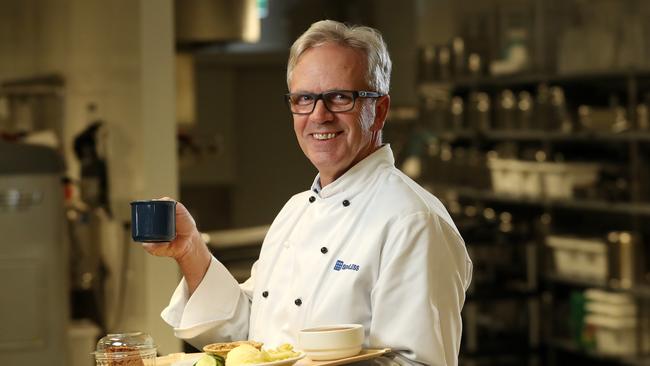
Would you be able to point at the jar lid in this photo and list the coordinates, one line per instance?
(125, 344)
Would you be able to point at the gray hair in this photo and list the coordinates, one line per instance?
(366, 39)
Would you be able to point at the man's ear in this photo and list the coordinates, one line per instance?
(382, 105)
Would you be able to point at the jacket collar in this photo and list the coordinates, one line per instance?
(357, 177)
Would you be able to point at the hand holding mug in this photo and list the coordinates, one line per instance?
(172, 222)
(164, 226)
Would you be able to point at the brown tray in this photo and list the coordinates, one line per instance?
(366, 354)
(189, 358)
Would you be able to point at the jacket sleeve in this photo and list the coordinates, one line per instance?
(420, 291)
(217, 311)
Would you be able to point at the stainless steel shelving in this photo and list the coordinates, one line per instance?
(524, 79)
(546, 136)
(613, 207)
(632, 147)
(637, 290)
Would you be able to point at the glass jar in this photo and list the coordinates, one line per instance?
(126, 349)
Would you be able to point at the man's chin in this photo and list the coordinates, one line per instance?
(325, 161)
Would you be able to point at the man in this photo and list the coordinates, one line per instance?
(364, 245)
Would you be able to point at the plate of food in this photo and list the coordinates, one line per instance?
(283, 362)
(222, 349)
(244, 353)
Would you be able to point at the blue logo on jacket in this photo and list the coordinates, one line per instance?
(341, 266)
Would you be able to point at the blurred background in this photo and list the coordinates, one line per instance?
(527, 118)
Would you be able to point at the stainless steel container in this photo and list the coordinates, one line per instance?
(33, 257)
(479, 111)
(621, 257)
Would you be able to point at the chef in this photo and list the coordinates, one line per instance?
(365, 244)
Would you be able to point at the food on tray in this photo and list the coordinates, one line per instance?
(132, 359)
(210, 360)
(281, 353)
(222, 349)
(244, 355)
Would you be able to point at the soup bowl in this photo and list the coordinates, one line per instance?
(331, 342)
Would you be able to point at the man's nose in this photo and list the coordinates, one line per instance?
(320, 112)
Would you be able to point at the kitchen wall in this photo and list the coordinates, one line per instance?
(119, 56)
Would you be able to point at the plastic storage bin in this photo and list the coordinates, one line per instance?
(560, 179)
(614, 335)
(531, 179)
(515, 177)
(617, 299)
(505, 176)
(577, 257)
(614, 318)
(555, 180)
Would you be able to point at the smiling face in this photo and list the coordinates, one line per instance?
(334, 142)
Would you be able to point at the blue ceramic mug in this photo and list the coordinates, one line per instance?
(153, 221)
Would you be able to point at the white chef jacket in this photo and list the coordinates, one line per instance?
(372, 248)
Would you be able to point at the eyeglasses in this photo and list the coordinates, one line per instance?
(335, 100)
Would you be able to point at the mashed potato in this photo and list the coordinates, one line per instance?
(244, 355)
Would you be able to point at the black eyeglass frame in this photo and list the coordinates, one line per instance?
(355, 94)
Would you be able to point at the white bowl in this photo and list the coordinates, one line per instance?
(331, 342)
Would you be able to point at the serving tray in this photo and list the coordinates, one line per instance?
(366, 354)
(182, 359)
